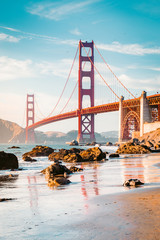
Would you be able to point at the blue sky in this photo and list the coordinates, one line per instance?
(38, 41)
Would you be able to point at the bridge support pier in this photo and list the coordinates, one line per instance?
(145, 112)
(30, 135)
(86, 122)
(120, 118)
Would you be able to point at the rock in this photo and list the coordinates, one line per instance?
(113, 155)
(74, 143)
(130, 148)
(66, 155)
(72, 157)
(135, 141)
(13, 147)
(8, 161)
(157, 146)
(55, 169)
(109, 144)
(58, 181)
(6, 199)
(75, 169)
(132, 182)
(78, 155)
(149, 144)
(92, 154)
(29, 159)
(39, 151)
(56, 174)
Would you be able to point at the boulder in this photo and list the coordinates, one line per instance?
(92, 154)
(55, 169)
(8, 161)
(132, 182)
(13, 147)
(75, 169)
(72, 157)
(56, 174)
(130, 148)
(78, 155)
(66, 155)
(109, 144)
(58, 181)
(113, 155)
(39, 151)
(29, 159)
(74, 143)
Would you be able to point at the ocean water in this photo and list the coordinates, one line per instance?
(40, 212)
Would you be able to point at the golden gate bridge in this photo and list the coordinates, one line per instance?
(133, 112)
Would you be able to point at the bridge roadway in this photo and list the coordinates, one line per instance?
(109, 107)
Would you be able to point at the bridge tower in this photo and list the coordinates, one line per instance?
(30, 136)
(86, 122)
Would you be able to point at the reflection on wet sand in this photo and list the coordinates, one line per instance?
(133, 168)
(33, 192)
(144, 168)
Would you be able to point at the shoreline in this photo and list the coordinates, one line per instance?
(131, 215)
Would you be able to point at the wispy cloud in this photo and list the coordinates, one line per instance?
(149, 84)
(30, 36)
(130, 49)
(8, 38)
(12, 69)
(59, 9)
(75, 32)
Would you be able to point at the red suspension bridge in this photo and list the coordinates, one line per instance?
(133, 112)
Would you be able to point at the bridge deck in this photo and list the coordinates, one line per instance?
(110, 107)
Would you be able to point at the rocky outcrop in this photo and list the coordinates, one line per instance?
(131, 148)
(38, 151)
(78, 155)
(8, 161)
(56, 174)
(71, 155)
(92, 154)
(132, 182)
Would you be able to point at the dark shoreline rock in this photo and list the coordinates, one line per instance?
(56, 174)
(13, 147)
(132, 182)
(29, 159)
(133, 148)
(78, 155)
(8, 161)
(39, 151)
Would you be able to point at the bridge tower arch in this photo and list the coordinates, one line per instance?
(85, 122)
(30, 135)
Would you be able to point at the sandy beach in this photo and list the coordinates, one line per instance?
(133, 215)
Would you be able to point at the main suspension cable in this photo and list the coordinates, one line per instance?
(113, 72)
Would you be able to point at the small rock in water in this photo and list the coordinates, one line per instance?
(75, 169)
(132, 182)
(113, 155)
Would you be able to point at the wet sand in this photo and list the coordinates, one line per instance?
(134, 215)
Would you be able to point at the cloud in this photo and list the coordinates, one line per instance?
(12, 69)
(8, 38)
(75, 32)
(59, 9)
(130, 49)
(149, 84)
